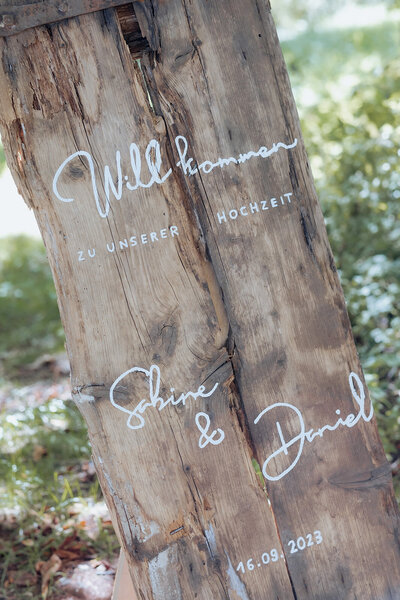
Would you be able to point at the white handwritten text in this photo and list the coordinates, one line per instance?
(350, 421)
(136, 418)
(114, 183)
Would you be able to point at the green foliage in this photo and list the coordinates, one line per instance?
(22, 473)
(288, 13)
(45, 491)
(347, 85)
(29, 318)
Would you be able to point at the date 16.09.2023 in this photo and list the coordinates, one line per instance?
(302, 543)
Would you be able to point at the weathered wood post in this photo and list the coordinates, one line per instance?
(205, 323)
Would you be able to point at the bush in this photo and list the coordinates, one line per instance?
(29, 318)
(350, 110)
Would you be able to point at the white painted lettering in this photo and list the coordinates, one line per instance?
(205, 438)
(154, 167)
(288, 196)
(114, 185)
(107, 181)
(136, 419)
(350, 421)
(224, 162)
(207, 166)
(136, 165)
(244, 157)
(182, 147)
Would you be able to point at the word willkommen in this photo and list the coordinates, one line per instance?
(114, 183)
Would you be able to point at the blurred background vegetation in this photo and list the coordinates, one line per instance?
(346, 80)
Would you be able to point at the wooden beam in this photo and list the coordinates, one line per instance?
(206, 327)
(16, 16)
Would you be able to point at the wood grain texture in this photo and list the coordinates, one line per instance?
(16, 16)
(251, 302)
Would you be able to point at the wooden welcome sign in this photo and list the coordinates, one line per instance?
(159, 146)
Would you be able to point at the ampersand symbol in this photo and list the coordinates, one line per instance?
(206, 439)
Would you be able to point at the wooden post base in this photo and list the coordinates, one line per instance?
(123, 586)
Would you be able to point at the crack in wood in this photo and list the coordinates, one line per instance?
(238, 404)
(130, 28)
(145, 11)
(307, 232)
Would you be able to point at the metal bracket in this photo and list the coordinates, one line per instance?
(16, 18)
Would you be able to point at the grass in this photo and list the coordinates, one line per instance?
(49, 494)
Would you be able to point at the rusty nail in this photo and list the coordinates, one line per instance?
(62, 7)
(176, 530)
